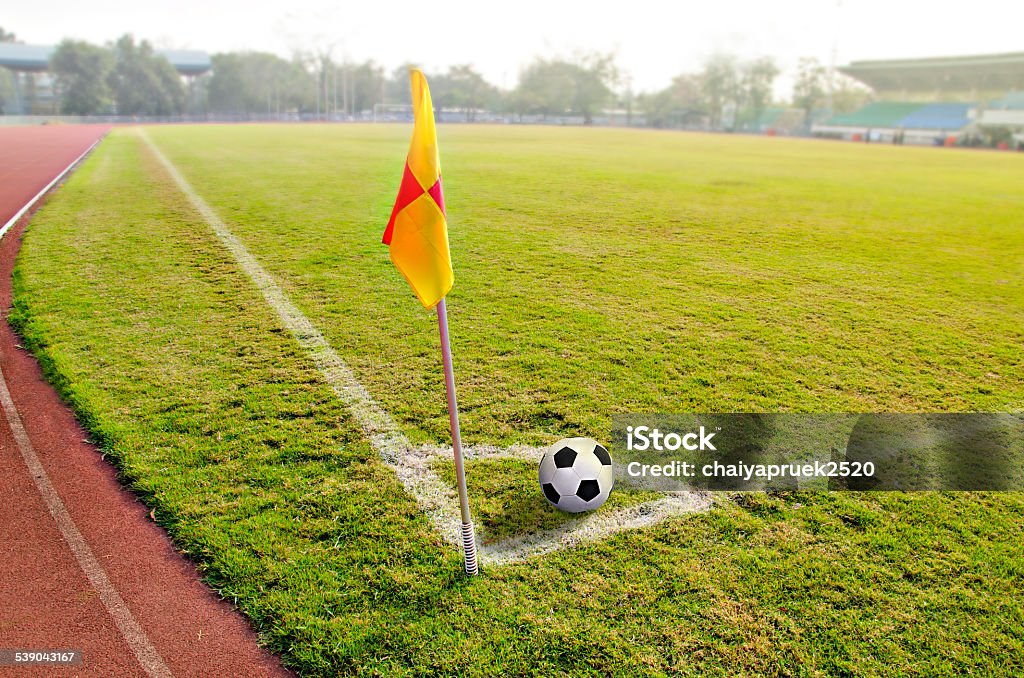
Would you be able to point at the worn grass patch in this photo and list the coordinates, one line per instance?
(597, 272)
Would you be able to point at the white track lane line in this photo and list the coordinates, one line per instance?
(118, 609)
(132, 633)
(413, 465)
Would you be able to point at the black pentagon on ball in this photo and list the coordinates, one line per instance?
(551, 493)
(565, 457)
(602, 454)
(588, 489)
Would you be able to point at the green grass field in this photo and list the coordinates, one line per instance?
(597, 272)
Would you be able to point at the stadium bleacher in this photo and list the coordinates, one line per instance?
(880, 114)
(968, 112)
(941, 116)
(915, 122)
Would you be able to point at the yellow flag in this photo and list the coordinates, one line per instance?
(417, 232)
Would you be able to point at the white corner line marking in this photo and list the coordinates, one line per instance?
(130, 630)
(415, 466)
(46, 189)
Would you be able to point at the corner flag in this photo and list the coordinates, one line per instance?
(417, 235)
(417, 232)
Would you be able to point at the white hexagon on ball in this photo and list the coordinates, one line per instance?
(576, 474)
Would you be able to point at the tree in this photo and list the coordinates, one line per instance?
(659, 109)
(809, 87)
(677, 105)
(245, 83)
(6, 77)
(6, 88)
(811, 90)
(720, 88)
(360, 86)
(545, 88)
(462, 88)
(332, 83)
(323, 65)
(367, 84)
(848, 94)
(396, 89)
(226, 90)
(559, 87)
(596, 77)
(142, 82)
(756, 79)
(82, 70)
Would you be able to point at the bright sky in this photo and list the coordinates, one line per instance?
(653, 39)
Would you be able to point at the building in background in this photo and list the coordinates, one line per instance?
(34, 85)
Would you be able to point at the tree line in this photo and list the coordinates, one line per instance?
(128, 77)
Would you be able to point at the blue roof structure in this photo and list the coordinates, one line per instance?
(18, 57)
(187, 62)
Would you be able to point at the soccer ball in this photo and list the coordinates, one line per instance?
(576, 474)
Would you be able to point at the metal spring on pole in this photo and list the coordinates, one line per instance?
(469, 546)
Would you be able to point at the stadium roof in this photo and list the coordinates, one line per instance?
(36, 58)
(24, 57)
(989, 72)
(187, 61)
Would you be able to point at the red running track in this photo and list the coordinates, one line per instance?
(30, 157)
(119, 591)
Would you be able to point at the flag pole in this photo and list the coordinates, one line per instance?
(468, 537)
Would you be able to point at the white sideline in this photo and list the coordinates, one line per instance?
(131, 631)
(414, 465)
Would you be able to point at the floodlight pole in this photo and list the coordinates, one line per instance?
(468, 536)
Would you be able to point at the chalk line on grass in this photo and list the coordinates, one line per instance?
(414, 465)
